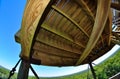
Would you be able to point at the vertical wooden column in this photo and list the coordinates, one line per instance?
(23, 70)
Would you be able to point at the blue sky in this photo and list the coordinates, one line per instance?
(11, 12)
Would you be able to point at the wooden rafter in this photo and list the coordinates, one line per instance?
(56, 46)
(61, 51)
(70, 19)
(65, 36)
(53, 54)
(101, 17)
(86, 9)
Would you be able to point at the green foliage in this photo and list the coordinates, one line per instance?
(109, 68)
(4, 74)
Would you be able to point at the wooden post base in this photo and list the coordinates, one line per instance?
(23, 70)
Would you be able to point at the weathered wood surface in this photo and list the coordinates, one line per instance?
(72, 31)
(32, 14)
(99, 25)
(23, 70)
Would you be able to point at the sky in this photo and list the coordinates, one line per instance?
(11, 12)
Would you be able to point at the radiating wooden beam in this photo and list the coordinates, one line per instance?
(70, 19)
(54, 51)
(52, 60)
(103, 7)
(65, 36)
(56, 47)
(49, 28)
(86, 9)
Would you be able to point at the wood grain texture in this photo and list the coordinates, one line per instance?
(63, 32)
(100, 21)
(32, 14)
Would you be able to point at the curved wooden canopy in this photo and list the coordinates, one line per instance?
(65, 32)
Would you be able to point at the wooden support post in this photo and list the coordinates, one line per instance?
(23, 70)
(92, 70)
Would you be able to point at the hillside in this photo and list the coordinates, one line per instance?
(3, 72)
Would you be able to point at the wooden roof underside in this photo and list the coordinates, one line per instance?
(65, 32)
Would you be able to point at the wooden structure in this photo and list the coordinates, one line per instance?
(65, 32)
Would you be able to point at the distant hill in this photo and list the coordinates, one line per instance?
(1, 67)
(3, 72)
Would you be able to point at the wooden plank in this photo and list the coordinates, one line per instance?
(83, 24)
(101, 17)
(52, 60)
(49, 28)
(59, 18)
(70, 19)
(32, 14)
(65, 48)
(86, 9)
(65, 36)
(53, 16)
(57, 51)
(64, 24)
(91, 7)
